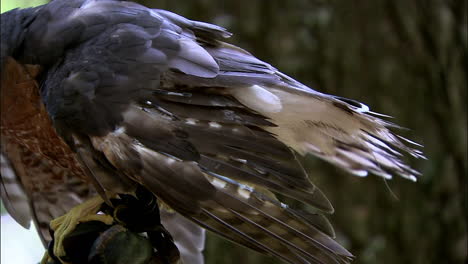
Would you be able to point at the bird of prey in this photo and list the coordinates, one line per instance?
(104, 96)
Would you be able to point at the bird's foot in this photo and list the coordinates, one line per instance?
(127, 231)
(64, 225)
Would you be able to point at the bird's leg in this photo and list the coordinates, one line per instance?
(66, 224)
(140, 213)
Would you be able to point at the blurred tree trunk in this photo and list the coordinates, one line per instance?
(408, 59)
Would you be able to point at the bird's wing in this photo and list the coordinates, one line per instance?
(112, 98)
(161, 100)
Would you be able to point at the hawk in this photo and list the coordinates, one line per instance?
(104, 96)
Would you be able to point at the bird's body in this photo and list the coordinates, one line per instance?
(130, 96)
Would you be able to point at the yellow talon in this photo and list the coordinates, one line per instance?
(45, 259)
(67, 223)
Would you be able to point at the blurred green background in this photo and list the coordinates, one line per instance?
(408, 59)
(10, 4)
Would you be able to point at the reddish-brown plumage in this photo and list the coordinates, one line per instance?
(28, 134)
